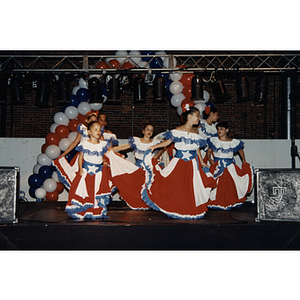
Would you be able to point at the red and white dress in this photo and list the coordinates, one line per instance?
(129, 177)
(206, 131)
(111, 138)
(233, 183)
(90, 192)
(182, 189)
(139, 148)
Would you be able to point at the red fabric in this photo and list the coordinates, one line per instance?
(175, 193)
(130, 186)
(226, 194)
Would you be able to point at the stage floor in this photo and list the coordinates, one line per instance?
(46, 226)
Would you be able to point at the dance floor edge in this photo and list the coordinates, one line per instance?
(46, 226)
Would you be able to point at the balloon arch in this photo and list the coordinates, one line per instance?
(44, 182)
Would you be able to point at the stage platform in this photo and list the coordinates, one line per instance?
(46, 226)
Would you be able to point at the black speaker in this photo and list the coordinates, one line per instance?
(277, 194)
(9, 191)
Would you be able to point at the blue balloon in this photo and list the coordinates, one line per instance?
(71, 155)
(35, 180)
(45, 172)
(32, 192)
(147, 53)
(156, 63)
(83, 94)
(74, 100)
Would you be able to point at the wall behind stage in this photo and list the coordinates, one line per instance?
(246, 120)
(23, 152)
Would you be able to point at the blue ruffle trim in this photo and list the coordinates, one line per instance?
(228, 150)
(93, 153)
(132, 143)
(208, 134)
(113, 141)
(82, 131)
(61, 177)
(103, 201)
(189, 141)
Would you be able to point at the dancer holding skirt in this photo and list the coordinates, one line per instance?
(182, 189)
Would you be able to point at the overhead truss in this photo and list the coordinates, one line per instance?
(245, 62)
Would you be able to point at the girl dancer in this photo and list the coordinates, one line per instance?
(207, 127)
(233, 183)
(182, 189)
(65, 169)
(107, 135)
(81, 133)
(139, 145)
(128, 177)
(90, 189)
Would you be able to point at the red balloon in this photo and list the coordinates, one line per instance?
(186, 79)
(62, 131)
(82, 119)
(187, 92)
(73, 125)
(52, 139)
(53, 196)
(126, 65)
(181, 66)
(44, 147)
(114, 63)
(103, 65)
(60, 188)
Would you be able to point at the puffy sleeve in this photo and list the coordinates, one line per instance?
(132, 143)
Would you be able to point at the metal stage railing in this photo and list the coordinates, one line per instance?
(204, 62)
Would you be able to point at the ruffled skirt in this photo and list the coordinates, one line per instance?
(128, 179)
(181, 190)
(90, 193)
(233, 185)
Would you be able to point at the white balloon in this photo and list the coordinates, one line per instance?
(71, 112)
(96, 106)
(179, 110)
(72, 136)
(36, 169)
(40, 193)
(44, 160)
(52, 151)
(206, 96)
(75, 89)
(161, 53)
(175, 76)
(177, 99)
(200, 104)
(143, 64)
(53, 127)
(121, 52)
(83, 108)
(137, 60)
(64, 144)
(61, 119)
(167, 64)
(49, 185)
(176, 87)
(55, 177)
(82, 83)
